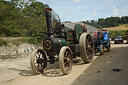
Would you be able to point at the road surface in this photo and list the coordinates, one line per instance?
(108, 69)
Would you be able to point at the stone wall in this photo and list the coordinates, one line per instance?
(14, 51)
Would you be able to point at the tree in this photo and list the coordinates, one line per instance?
(118, 20)
(20, 18)
(8, 17)
(101, 22)
(92, 23)
(124, 19)
(35, 20)
(107, 22)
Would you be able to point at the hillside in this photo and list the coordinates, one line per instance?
(121, 27)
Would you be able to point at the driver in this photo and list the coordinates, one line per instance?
(84, 27)
(105, 35)
(99, 35)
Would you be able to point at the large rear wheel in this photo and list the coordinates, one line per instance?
(87, 47)
(65, 60)
(38, 61)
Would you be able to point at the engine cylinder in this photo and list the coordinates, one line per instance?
(53, 44)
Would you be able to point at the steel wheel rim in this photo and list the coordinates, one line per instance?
(89, 47)
(39, 61)
(67, 60)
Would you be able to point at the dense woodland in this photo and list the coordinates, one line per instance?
(108, 22)
(19, 18)
(27, 19)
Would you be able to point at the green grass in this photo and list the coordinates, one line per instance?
(120, 27)
(18, 41)
(126, 25)
(117, 33)
(30, 40)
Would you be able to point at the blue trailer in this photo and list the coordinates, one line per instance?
(101, 41)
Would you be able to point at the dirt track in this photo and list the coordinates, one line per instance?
(108, 69)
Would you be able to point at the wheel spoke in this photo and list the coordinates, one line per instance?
(41, 56)
(66, 67)
(35, 63)
(91, 49)
(39, 53)
(86, 50)
(65, 63)
(86, 42)
(36, 55)
(89, 55)
(90, 42)
(42, 65)
(65, 60)
(38, 68)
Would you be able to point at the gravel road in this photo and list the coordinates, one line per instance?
(108, 69)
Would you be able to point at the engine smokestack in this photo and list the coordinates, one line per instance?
(48, 20)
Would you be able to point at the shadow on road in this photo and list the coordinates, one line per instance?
(53, 70)
(23, 72)
(106, 68)
(27, 73)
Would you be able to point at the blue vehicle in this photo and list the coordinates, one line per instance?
(101, 41)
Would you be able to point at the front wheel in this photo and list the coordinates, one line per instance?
(38, 61)
(65, 60)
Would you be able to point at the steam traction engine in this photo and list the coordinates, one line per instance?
(62, 44)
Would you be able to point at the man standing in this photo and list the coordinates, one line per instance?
(84, 27)
(99, 35)
(105, 35)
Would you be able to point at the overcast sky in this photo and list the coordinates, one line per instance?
(82, 10)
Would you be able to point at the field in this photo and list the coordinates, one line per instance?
(121, 27)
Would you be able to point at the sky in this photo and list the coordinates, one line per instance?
(82, 10)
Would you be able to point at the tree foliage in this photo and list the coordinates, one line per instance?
(20, 18)
(25, 18)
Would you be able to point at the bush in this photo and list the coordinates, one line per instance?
(3, 42)
(118, 33)
(16, 42)
(30, 40)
